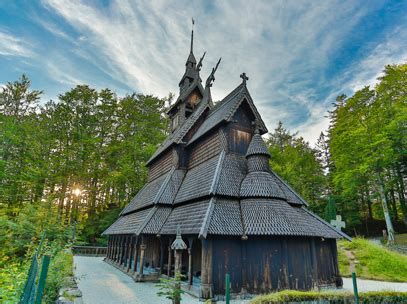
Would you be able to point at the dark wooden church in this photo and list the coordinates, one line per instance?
(211, 179)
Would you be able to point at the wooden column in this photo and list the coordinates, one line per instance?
(244, 265)
(114, 247)
(142, 250)
(190, 241)
(118, 249)
(135, 254)
(122, 250)
(206, 270)
(169, 259)
(131, 246)
(161, 255)
(108, 247)
(314, 264)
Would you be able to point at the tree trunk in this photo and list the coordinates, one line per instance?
(369, 206)
(389, 225)
(400, 191)
(393, 202)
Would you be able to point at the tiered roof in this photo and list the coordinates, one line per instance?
(227, 194)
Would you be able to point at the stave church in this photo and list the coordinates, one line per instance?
(210, 180)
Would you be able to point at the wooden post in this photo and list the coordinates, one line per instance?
(244, 266)
(189, 267)
(178, 261)
(190, 242)
(142, 249)
(116, 253)
(161, 255)
(206, 270)
(118, 249)
(169, 259)
(135, 254)
(130, 253)
(314, 264)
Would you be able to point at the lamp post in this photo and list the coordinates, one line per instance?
(178, 245)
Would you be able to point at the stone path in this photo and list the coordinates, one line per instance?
(102, 283)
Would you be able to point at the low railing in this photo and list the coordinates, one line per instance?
(89, 250)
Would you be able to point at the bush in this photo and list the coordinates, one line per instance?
(13, 275)
(294, 296)
(12, 279)
(61, 267)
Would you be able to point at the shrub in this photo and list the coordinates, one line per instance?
(336, 297)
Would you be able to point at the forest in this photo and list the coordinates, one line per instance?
(68, 167)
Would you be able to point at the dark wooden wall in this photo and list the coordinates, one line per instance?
(152, 252)
(327, 257)
(160, 166)
(264, 264)
(204, 150)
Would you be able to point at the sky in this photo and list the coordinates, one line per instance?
(298, 55)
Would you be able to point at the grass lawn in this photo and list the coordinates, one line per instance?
(371, 261)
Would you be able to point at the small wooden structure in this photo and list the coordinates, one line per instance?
(211, 178)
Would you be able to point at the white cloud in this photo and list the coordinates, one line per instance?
(13, 46)
(283, 46)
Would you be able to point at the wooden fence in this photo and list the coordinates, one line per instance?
(89, 250)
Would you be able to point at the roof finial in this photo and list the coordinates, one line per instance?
(199, 66)
(192, 36)
(211, 77)
(244, 77)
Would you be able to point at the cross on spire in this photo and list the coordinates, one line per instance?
(244, 77)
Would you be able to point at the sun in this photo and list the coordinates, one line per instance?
(77, 192)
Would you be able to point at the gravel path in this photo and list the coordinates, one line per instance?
(102, 283)
(370, 285)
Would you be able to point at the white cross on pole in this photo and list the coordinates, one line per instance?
(338, 223)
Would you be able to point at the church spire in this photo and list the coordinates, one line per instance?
(192, 36)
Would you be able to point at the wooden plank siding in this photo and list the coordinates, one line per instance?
(205, 150)
(161, 166)
(275, 263)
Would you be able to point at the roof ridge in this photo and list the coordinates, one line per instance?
(224, 101)
(164, 185)
(289, 187)
(203, 232)
(146, 220)
(218, 170)
(326, 223)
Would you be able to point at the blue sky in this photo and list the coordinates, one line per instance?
(299, 55)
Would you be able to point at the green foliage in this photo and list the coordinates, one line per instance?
(367, 149)
(297, 162)
(170, 287)
(374, 261)
(61, 267)
(294, 296)
(13, 275)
